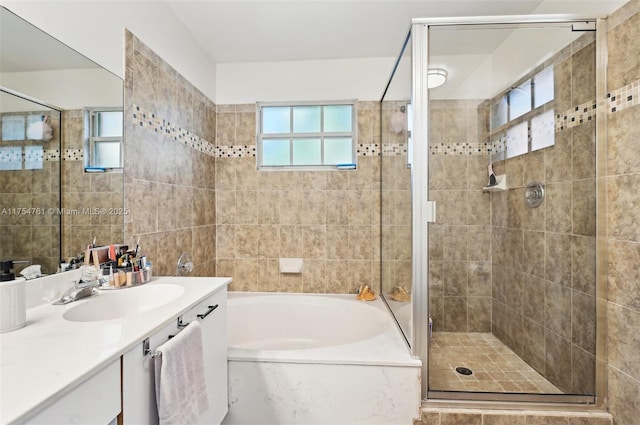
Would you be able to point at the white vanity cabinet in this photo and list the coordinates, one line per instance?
(212, 315)
(138, 375)
(95, 401)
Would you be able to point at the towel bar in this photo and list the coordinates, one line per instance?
(146, 351)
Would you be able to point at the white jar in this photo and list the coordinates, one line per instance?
(13, 305)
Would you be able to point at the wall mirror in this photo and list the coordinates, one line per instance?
(52, 206)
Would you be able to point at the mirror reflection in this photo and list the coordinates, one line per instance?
(396, 243)
(29, 182)
(81, 175)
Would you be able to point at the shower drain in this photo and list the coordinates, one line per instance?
(464, 370)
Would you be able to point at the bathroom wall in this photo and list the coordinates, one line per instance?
(543, 275)
(623, 213)
(329, 218)
(169, 164)
(85, 190)
(460, 240)
(395, 198)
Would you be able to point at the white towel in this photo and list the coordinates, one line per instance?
(181, 387)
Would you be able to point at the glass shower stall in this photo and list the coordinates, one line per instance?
(491, 208)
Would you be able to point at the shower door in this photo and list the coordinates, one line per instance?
(511, 258)
(395, 192)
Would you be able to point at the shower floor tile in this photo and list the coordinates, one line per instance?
(496, 368)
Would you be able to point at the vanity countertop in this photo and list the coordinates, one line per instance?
(51, 355)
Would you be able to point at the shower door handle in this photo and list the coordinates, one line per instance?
(431, 211)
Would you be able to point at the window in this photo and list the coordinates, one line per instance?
(103, 138)
(25, 127)
(521, 114)
(306, 135)
(14, 128)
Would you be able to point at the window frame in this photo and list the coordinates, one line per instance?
(501, 131)
(260, 136)
(89, 119)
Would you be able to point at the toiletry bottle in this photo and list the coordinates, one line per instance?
(430, 326)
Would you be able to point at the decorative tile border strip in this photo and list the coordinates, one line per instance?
(576, 116)
(624, 97)
(15, 153)
(150, 120)
(52, 155)
(394, 149)
(617, 100)
(73, 155)
(363, 149)
(463, 148)
(234, 151)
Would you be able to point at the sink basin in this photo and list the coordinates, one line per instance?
(120, 303)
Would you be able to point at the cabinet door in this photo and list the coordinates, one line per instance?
(212, 315)
(95, 401)
(138, 381)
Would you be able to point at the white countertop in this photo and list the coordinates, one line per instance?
(50, 355)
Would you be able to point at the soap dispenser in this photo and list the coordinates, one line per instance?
(5, 269)
(13, 302)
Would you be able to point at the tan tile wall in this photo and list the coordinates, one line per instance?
(623, 228)
(87, 190)
(169, 187)
(460, 240)
(395, 199)
(328, 218)
(544, 258)
(33, 237)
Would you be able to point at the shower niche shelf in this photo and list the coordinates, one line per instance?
(501, 184)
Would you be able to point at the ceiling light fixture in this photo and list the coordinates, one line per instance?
(436, 77)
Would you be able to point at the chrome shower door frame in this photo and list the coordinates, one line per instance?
(423, 212)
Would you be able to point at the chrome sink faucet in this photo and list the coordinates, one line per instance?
(79, 290)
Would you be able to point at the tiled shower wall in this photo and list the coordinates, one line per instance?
(623, 210)
(543, 275)
(460, 240)
(170, 170)
(328, 218)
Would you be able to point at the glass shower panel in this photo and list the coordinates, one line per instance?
(512, 288)
(395, 194)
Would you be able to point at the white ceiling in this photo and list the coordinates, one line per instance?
(267, 30)
(207, 39)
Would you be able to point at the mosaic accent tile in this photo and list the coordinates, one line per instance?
(617, 100)
(576, 116)
(151, 121)
(73, 155)
(460, 149)
(394, 149)
(51, 155)
(624, 97)
(234, 151)
(368, 149)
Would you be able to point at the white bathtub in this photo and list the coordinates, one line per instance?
(317, 359)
